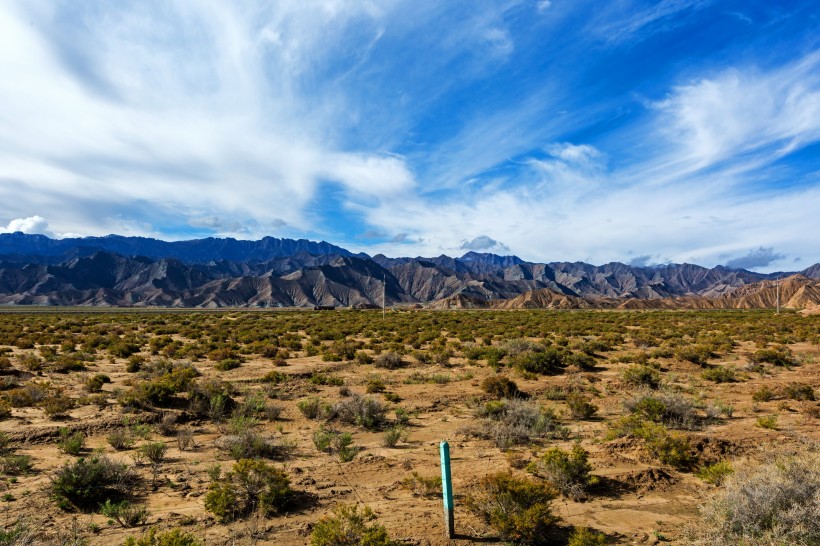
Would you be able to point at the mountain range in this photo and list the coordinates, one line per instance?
(137, 271)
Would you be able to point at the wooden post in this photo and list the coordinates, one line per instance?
(447, 489)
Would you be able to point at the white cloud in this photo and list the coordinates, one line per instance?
(31, 225)
(741, 111)
(543, 5)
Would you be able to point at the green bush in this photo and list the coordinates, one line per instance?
(778, 356)
(696, 354)
(500, 386)
(569, 471)
(314, 408)
(87, 483)
(580, 406)
(389, 360)
(120, 439)
(547, 362)
(252, 484)
(124, 513)
(715, 473)
(720, 374)
(584, 536)
(71, 444)
(517, 508)
(799, 391)
(174, 537)
(640, 375)
(348, 526)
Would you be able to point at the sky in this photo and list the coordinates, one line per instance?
(644, 132)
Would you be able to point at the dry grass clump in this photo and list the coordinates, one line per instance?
(777, 502)
(515, 422)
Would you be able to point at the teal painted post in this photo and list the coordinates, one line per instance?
(447, 488)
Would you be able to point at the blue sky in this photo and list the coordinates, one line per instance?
(626, 130)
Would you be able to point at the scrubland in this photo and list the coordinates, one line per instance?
(299, 427)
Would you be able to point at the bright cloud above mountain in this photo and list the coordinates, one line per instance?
(674, 130)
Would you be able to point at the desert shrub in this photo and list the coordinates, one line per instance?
(248, 444)
(583, 360)
(124, 513)
(517, 508)
(134, 363)
(697, 354)
(392, 436)
(374, 386)
(5, 409)
(86, 483)
(580, 406)
(389, 360)
(154, 451)
(799, 391)
(767, 421)
(120, 439)
(777, 356)
(361, 411)
(715, 473)
(348, 526)
(166, 380)
(423, 486)
(252, 484)
(549, 361)
(670, 408)
(500, 386)
(673, 449)
(771, 503)
(640, 375)
(13, 464)
(584, 536)
(720, 374)
(333, 441)
(95, 383)
(211, 398)
(314, 408)
(569, 471)
(326, 379)
(227, 364)
(763, 394)
(71, 444)
(515, 347)
(517, 422)
(56, 406)
(173, 537)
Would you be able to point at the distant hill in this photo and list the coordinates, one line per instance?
(136, 271)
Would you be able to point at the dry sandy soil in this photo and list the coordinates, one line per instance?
(638, 501)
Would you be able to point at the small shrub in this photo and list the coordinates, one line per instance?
(87, 483)
(249, 444)
(314, 408)
(767, 421)
(57, 406)
(763, 394)
(569, 471)
(422, 486)
(549, 361)
(374, 386)
(361, 411)
(517, 508)
(251, 485)
(778, 356)
(720, 374)
(95, 383)
(580, 406)
(71, 444)
(347, 525)
(500, 386)
(124, 513)
(174, 537)
(340, 443)
(154, 452)
(696, 354)
(120, 439)
(391, 437)
(227, 364)
(642, 376)
(15, 465)
(771, 503)
(716, 473)
(584, 536)
(799, 391)
(389, 360)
